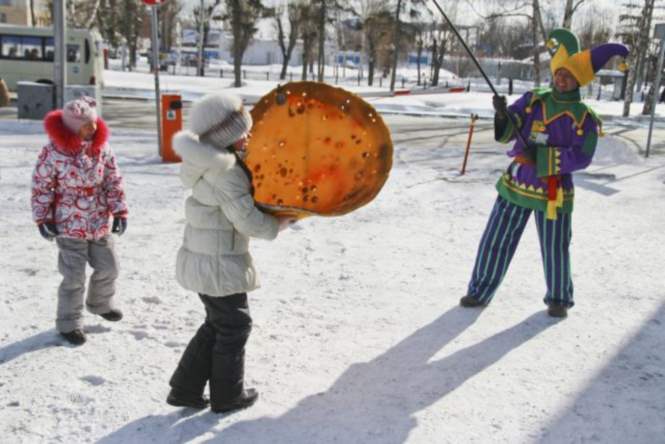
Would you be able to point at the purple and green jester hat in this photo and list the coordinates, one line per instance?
(583, 65)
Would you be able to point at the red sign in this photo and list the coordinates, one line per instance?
(153, 2)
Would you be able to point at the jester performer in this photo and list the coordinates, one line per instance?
(560, 134)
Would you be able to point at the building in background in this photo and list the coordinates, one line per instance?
(18, 12)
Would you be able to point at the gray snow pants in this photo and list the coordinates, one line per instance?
(72, 259)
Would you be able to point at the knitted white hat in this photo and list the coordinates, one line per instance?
(219, 119)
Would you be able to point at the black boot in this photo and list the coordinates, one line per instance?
(74, 337)
(247, 398)
(470, 301)
(193, 371)
(557, 310)
(180, 398)
(226, 383)
(114, 315)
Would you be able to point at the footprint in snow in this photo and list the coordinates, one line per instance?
(93, 380)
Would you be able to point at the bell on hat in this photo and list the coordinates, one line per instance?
(583, 65)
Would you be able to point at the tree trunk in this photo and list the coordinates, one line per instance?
(306, 50)
(635, 55)
(568, 15)
(93, 15)
(282, 47)
(648, 101)
(536, 45)
(398, 28)
(322, 39)
(419, 52)
(644, 51)
(33, 19)
(237, 43)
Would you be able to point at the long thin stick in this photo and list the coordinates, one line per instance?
(474, 117)
(475, 61)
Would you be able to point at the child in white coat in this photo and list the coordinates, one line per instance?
(214, 260)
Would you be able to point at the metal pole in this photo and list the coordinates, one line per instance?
(656, 95)
(155, 66)
(475, 61)
(60, 53)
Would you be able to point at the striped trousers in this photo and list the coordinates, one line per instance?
(499, 242)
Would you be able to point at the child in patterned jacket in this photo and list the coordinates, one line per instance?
(76, 186)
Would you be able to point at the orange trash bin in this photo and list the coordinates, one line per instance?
(171, 124)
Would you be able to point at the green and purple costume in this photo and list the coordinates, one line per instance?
(565, 132)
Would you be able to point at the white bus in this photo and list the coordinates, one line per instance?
(26, 54)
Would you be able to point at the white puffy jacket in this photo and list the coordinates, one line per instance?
(221, 217)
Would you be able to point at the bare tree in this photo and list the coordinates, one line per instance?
(377, 30)
(637, 53)
(308, 33)
(242, 16)
(521, 8)
(569, 10)
(168, 16)
(413, 11)
(134, 16)
(33, 17)
(441, 36)
(294, 16)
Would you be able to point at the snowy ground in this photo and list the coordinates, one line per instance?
(358, 337)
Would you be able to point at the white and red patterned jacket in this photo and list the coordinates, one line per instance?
(76, 183)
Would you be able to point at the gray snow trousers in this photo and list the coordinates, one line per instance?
(72, 259)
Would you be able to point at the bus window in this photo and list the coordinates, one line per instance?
(73, 53)
(10, 46)
(49, 50)
(32, 48)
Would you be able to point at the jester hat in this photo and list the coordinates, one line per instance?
(583, 65)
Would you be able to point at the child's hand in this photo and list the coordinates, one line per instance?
(119, 225)
(48, 230)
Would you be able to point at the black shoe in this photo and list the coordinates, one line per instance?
(74, 337)
(470, 301)
(557, 310)
(114, 315)
(179, 398)
(246, 399)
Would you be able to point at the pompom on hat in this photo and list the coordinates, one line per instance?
(219, 119)
(583, 65)
(76, 113)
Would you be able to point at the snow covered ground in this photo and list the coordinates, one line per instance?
(358, 337)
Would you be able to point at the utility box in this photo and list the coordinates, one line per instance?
(171, 124)
(73, 92)
(34, 99)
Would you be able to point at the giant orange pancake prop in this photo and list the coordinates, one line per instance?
(316, 150)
